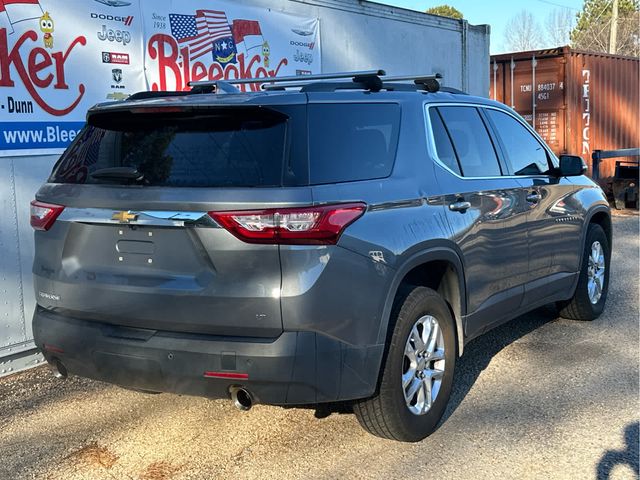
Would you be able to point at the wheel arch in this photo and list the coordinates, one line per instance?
(440, 268)
(600, 215)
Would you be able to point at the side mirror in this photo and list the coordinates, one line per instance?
(571, 166)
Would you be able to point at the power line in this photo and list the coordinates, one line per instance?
(558, 5)
(607, 5)
(604, 26)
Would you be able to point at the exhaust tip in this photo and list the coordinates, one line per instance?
(58, 369)
(241, 398)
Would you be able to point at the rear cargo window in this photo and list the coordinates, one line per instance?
(349, 142)
(233, 147)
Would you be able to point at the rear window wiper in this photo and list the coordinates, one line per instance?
(118, 173)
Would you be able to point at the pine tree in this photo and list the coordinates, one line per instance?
(593, 25)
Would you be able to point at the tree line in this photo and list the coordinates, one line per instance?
(589, 29)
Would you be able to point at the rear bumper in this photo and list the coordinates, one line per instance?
(295, 368)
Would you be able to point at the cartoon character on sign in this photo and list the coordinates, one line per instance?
(265, 53)
(46, 26)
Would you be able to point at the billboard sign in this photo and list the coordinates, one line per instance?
(57, 59)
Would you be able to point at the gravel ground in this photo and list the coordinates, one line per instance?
(540, 397)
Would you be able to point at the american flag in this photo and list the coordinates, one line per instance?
(198, 32)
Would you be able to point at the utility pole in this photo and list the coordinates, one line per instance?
(613, 38)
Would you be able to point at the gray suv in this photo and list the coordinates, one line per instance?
(330, 243)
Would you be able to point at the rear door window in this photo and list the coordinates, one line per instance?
(228, 148)
(349, 142)
(524, 152)
(473, 147)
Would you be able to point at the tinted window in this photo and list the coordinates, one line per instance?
(471, 141)
(242, 147)
(444, 148)
(350, 142)
(524, 152)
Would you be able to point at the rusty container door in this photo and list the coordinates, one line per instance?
(532, 83)
(577, 101)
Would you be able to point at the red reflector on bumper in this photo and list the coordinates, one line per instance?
(235, 376)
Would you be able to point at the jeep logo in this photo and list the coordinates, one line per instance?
(114, 35)
(114, 18)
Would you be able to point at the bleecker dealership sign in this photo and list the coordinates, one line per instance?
(58, 58)
(190, 40)
(56, 61)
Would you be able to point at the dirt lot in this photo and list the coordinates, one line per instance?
(540, 397)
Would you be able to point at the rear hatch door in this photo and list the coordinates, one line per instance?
(140, 250)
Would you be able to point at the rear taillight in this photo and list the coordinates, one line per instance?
(320, 225)
(44, 214)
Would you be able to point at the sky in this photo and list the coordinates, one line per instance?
(493, 12)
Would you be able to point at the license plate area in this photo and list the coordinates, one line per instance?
(136, 245)
(133, 250)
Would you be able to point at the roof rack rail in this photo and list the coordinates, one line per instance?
(429, 82)
(367, 81)
(415, 78)
(371, 80)
(292, 78)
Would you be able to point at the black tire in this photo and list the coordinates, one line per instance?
(580, 307)
(386, 414)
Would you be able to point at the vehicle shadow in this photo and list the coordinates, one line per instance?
(628, 456)
(479, 352)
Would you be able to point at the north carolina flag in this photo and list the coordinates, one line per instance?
(247, 33)
(20, 10)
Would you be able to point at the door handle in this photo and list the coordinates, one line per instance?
(460, 206)
(534, 197)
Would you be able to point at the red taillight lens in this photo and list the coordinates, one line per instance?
(44, 214)
(321, 225)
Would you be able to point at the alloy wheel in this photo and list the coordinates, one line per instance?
(423, 365)
(595, 272)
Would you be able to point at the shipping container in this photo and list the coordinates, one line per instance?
(577, 101)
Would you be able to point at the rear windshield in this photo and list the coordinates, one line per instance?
(349, 142)
(238, 147)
